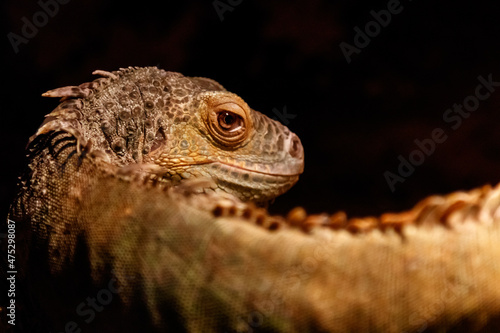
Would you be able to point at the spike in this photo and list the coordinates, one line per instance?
(105, 74)
(69, 91)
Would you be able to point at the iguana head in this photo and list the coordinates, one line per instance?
(186, 126)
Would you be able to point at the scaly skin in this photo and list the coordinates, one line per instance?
(136, 125)
(105, 243)
(173, 127)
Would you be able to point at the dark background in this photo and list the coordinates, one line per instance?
(354, 119)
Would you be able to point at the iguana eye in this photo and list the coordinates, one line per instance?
(229, 121)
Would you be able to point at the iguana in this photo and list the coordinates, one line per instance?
(142, 211)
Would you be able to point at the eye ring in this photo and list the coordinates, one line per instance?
(228, 123)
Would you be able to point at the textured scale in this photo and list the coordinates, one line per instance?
(136, 214)
(157, 118)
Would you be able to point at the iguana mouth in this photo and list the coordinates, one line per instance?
(251, 184)
(226, 171)
(238, 168)
(257, 184)
(263, 169)
(291, 168)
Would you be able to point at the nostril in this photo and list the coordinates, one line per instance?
(296, 147)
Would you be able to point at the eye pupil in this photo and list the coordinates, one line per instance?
(228, 121)
(228, 118)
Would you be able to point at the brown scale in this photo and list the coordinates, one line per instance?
(446, 211)
(250, 213)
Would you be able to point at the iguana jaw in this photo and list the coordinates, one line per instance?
(249, 182)
(263, 169)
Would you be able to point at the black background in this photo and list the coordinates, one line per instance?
(354, 119)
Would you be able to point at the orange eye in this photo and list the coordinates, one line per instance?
(229, 121)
